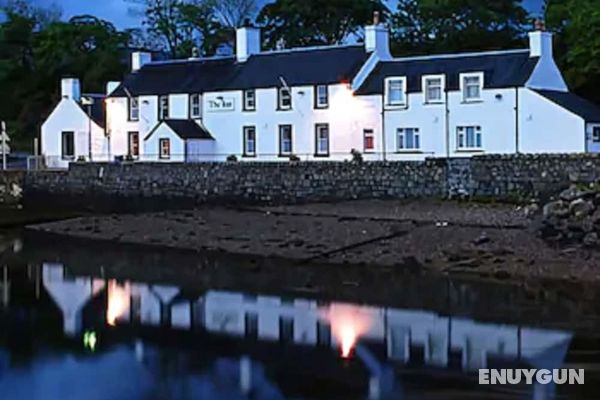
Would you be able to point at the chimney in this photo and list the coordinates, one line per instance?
(139, 59)
(540, 41)
(377, 37)
(71, 89)
(247, 41)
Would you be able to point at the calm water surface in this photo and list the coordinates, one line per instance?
(80, 322)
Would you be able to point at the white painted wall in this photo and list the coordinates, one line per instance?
(198, 150)
(68, 116)
(545, 127)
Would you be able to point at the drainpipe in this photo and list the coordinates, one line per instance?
(517, 133)
(447, 123)
(383, 126)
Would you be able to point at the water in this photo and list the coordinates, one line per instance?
(87, 321)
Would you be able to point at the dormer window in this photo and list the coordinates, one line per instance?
(249, 100)
(134, 109)
(433, 88)
(471, 86)
(395, 91)
(195, 106)
(321, 96)
(284, 98)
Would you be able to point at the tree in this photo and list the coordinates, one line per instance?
(314, 22)
(233, 13)
(577, 45)
(424, 26)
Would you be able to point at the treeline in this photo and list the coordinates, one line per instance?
(37, 48)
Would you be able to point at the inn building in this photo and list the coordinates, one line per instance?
(322, 103)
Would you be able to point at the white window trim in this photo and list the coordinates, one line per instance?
(318, 104)
(130, 102)
(280, 93)
(371, 132)
(199, 115)
(387, 92)
(245, 99)
(465, 148)
(318, 151)
(416, 132)
(462, 86)
(593, 129)
(424, 80)
(283, 153)
(245, 131)
(162, 156)
(160, 110)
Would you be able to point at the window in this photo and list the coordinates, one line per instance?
(395, 91)
(163, 107)
(322, 140)
(249, 100)
(286, 329)
(249, 141)
(285, 99)
(195, 106)
(251, 325)
(471, 86)
(596, 134)
(369, 140)
(134, 109)
(408, 139)
(285, 140)
(164, 149)
(133, 144)
(433, 88)
(322, 96)
(469, 137)
(68, 145)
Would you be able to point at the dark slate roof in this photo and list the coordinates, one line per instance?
(98, 111)
(501, 69)
(324, 65)
(587, 110)
(185, 129)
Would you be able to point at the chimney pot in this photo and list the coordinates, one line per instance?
(139, 59)
(376, 18)
(247, 42)
(71, 89)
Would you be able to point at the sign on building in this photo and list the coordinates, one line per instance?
(220, 103)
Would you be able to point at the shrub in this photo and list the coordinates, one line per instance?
(232, 158)
(294, 158)
(357, 156)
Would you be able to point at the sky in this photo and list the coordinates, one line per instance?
(116, 11)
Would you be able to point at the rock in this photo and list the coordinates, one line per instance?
(581, 208)
(574, 193)
(483, 239)
(591, 239)
(556, 209)
(502, 274)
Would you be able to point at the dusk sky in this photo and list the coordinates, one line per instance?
(116, 11)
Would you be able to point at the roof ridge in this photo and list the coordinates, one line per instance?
(458, 55)
(306, 49)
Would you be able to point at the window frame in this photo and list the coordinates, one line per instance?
(463, 87)
(595, 131)
(371, 133)
(161, 116)
(477, 130)
(191, 106)
(63, 155)
(245, 130)
(317, 104)
(279, 137)
(280, 97)
(318, 152)
(245, 99)
(387, 84)
(416, 132)
(424, 86)
(131, 134)
(130, 102)
(162, 156)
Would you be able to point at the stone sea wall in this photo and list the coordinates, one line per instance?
(152, 185)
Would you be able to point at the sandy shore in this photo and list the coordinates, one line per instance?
(458, 239)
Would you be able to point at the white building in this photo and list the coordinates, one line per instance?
(323, 102)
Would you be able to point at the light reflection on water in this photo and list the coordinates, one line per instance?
(227, 345)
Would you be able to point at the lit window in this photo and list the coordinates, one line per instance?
(68, 145)
(322, 139)
(469, 137)
(164, 148)
(134, 109)
(249, 141)
(195, 106)
(408, 139)
(322, 96)
(596, 134)
(285, 98)
(163, 107)
(369, 140)
(433, 88)
(249, 100)
(471, 86)
(395, 91)
(285, 140)
(133, 144)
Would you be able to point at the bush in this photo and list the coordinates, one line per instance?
(81, 159)
(129, 158)
(232, 158)
(357, 156)
(294, 158)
